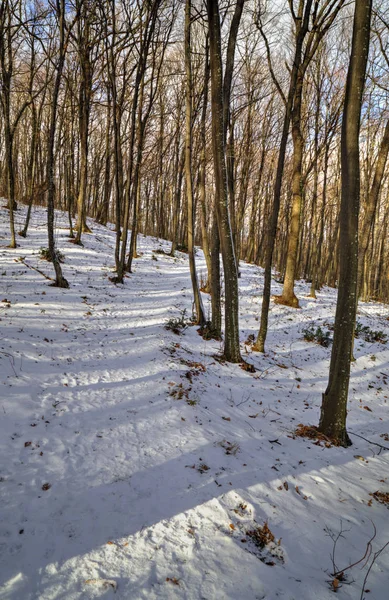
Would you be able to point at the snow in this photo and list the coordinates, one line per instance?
(159, 458)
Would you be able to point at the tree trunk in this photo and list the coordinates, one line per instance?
(262, 333)
(288, 296)
(334, 404)
(60, 280)
(371, 206)
(200, 317)
(231, 342)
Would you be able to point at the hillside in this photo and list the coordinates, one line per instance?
(136, 465)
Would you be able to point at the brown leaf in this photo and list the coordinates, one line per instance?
(335, 584)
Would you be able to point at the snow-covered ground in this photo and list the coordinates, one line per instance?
(135, 465)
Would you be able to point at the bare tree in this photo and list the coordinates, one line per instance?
(334, 405)
(231, 342)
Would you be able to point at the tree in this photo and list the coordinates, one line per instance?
(334, 404)
(60, 281)
(200, 317)
(85, 42)
(148, 20)
(322, 17)
(231, 342)
(10, 40)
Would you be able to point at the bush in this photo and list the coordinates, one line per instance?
(177, 324)
(44, 254)
(369, 335)
(317, 335)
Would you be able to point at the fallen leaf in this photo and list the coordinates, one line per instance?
(173, 580)
(335, 584)
(359, 457)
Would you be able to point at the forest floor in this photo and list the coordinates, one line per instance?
(134, 464)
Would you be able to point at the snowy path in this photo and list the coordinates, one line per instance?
(160, 459)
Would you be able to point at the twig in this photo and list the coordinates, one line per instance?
(37, 270)
(375, 556)
(366, 556)
(370, 442)
(11, 360)
(335, 539)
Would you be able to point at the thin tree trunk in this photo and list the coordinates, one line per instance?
(231, 342)
(60, 281)
(371, 206)
(200, 317)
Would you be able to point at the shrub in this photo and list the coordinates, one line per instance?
(317, 335)
(177, 324)
(368, 334)
(45, 254)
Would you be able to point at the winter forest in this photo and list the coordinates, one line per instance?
(194, 323)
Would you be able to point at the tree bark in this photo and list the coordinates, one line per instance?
(231, 342)
(334, 403)
(200, 317)
(371, 206)
(60, 281)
